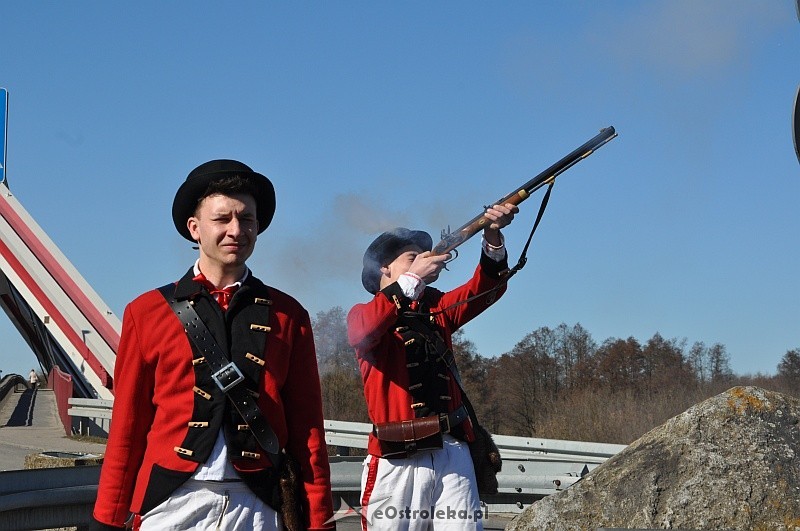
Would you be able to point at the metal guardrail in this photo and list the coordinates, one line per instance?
(532, 467)
(555, 449)
(91, 416)
(92, 408)
(354, 435)
(47, 498)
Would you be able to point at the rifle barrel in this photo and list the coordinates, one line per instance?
(454, 239)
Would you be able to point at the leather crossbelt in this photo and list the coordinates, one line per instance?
(225, 373)
(447, 421)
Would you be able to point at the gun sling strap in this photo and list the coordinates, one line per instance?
(225, 373)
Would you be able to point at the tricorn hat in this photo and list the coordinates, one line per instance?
(385, 248)
(196, 184)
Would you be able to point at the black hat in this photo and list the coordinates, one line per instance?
(385, 249)
(196, 184)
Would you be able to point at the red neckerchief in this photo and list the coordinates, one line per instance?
(222, 296)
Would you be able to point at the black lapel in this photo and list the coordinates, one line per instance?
(250, 305)
(205, 306)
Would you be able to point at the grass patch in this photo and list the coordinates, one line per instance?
(89, 439)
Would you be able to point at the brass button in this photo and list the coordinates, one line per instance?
(254, 359)
(202, 393)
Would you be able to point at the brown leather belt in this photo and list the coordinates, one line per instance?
(405, 437)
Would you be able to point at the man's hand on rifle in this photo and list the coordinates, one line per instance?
(500, 216)
(427, 266)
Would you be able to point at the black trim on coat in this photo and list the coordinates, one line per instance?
(161, 485)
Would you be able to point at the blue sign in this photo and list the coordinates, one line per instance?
(3, 131)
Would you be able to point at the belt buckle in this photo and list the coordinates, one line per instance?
(444, 418)
(227, 377)
(448, 357)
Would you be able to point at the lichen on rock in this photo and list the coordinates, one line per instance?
(728, 462)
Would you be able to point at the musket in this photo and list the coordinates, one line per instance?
(451, 240)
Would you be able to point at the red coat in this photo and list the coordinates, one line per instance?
(381, 352)
(156, 397)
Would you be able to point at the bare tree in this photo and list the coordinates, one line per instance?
(789, 370)
(619, 363)
(664, 365)
(343, 396)
(474, 370)
(575, 347)
(340, 379)
(330, 340)
(528, 377)
(719, 363)
(698, 358)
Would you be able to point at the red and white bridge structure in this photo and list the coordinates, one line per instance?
(66, 324)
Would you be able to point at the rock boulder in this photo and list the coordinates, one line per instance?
(730, 462)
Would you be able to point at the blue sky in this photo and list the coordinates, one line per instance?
(370, 115)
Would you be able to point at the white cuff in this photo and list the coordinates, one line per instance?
(411, 285)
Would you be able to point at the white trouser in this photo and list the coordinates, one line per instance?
(209, 505)
(433, 489)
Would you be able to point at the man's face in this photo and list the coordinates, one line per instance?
(225, 228)
(392, 271)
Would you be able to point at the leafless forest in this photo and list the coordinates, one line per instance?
(559, 383)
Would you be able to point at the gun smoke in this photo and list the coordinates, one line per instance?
(323, 265)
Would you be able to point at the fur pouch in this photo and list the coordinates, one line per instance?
(290, 487)
(486, 459)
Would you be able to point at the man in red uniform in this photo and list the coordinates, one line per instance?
(419, 473)
(180, 453)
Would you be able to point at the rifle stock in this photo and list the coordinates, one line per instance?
(451, 240)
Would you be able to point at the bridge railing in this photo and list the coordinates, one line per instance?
(61, 383)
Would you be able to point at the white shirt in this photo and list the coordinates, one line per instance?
(412, 286)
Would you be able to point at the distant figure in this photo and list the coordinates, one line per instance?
(33, 379)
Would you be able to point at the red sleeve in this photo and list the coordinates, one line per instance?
(303, 406)
(486, 277)
(367, 323)
(132, 417)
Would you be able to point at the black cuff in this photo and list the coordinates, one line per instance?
(492, 268)
(94, 525)
(396, 295)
